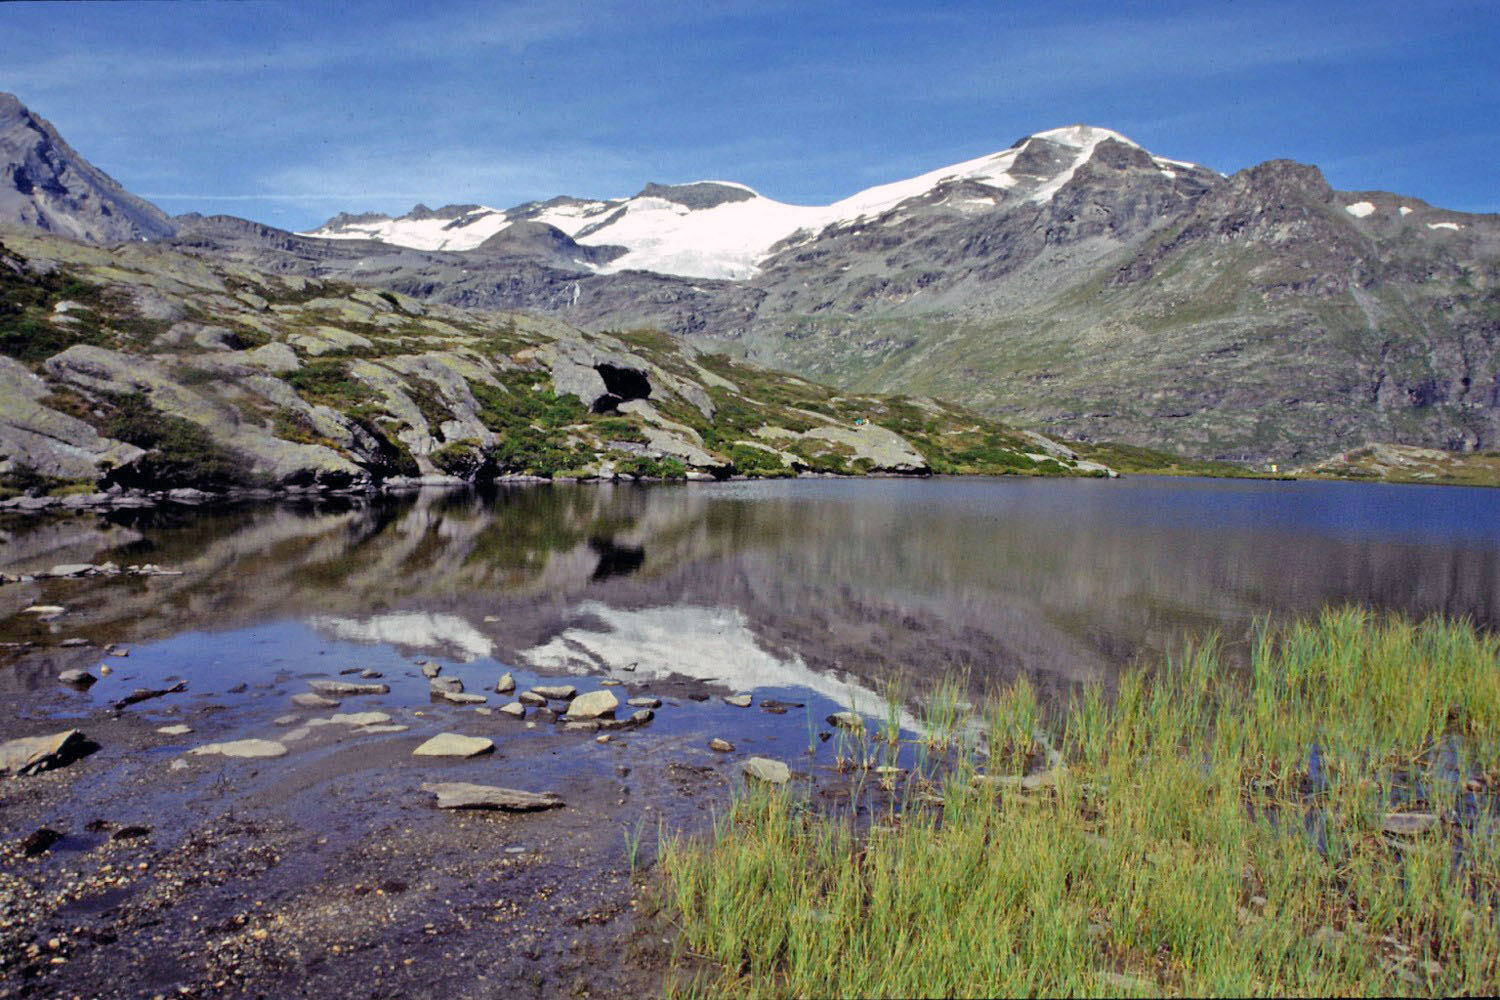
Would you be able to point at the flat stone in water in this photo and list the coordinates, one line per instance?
(177, 730)
(722, 746)
(306, 699)
(385, 729)
(77, 678)
(592, 705)
(765, 769)
(460, 698)
(330, 686)
(610, 683)
(738, 700)
(643, 702)
(242, 748)
(464, 795)
(285, 720)
(557, 692)
(532, 698)
(452, 685)
(454, 745)
(515, 709)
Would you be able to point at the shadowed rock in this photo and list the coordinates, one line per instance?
(463, 795)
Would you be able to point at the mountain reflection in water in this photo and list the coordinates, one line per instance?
(859, 580)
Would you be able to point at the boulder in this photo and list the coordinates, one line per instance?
(532, 698)
(506, 684)
(450, 684)
(641, 716)
(722, 746)
(463, 795)
(592, 705)
(77, 678)
(454, 745)
(765, 769)
(430, 669)
(32, 754)
(514, 709)
(738, 700)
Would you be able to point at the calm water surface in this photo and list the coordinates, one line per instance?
(821, 585)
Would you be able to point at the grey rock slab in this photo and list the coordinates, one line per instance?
(506, 684)
(532, 698)
(722, 746)
(77, 678)
(32, 754)
(643, 702)
(430, 669)
(306, 699)
(464, 795)
(454, 745)
(592, 705)
(765, 769)
(385, 729)
(242, 748)
(557, 692)
(452, 685)
(514, 709)
(330, 686)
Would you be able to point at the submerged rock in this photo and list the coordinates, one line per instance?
(33, 754)
(463, 795)
(177, 730)
(454, 745)
(592, 705)
(360, 718)
(242, 748)
(306, 699)
(765, 769)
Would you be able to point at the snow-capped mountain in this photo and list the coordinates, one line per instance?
(720, 229)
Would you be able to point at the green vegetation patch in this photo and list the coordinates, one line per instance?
(754, 461)
(329, 383)
(1323, 825)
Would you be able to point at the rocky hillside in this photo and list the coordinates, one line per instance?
(141, 367)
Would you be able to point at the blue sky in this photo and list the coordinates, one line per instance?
(288, 112)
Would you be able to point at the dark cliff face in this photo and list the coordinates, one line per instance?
(45, 184)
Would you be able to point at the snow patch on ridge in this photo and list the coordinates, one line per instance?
(1360, 209)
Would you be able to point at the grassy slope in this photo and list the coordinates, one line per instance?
(1208, 834)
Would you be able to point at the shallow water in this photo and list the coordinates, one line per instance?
(820, 586)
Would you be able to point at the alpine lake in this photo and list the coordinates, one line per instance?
(326, 870)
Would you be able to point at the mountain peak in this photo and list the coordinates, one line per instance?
(46, 184)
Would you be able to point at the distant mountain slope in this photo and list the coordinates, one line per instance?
(717, 229)
(45, 184)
